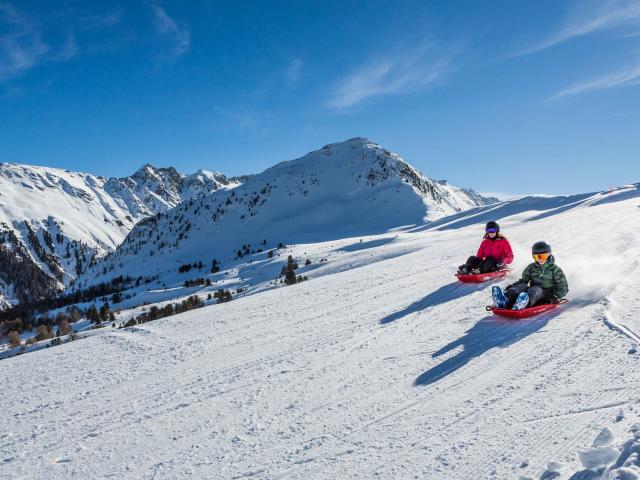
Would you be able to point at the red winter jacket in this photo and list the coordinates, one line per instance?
(498, 248)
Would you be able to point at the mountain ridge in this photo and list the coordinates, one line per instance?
(353, 187)
(55, 222)
(61, 223)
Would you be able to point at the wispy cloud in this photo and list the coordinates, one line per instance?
(69, 49)
(627, 76)
(592, 17)
(168, 27)
(245, 121)
(293, 71)
(21, 44)
(242, 119)
(392, 74)
(100, 21)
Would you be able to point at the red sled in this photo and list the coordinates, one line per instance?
(526, 312)
(481, 277)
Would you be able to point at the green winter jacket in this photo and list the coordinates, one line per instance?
(548, 276)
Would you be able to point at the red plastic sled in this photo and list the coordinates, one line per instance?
(526, 312)
(481, 277)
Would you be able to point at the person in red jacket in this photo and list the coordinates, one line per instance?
(494, 253)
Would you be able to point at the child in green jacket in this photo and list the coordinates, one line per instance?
(542, 282)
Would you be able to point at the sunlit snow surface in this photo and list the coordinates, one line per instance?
(380, 365)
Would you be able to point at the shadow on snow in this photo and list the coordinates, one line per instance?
(364, 245)
(490, 332)
(444, 294)
(547, 206)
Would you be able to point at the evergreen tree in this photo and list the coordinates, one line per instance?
(289, 271)
(168, 310)
(76, 314)
(290, 277)
(92, 314)
(154, 312)
(104, 312)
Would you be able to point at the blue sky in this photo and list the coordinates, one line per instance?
(501, 96)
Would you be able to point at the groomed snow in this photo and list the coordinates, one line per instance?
(388, 370)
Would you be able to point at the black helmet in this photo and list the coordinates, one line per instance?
(492, 225)
(540, 247)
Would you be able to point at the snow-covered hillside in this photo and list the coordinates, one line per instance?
(349, 188)
(54, 222)
(384, 367)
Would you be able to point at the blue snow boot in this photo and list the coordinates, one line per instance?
(522, 301)
(499, 300)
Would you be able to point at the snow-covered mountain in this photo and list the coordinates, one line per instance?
(382, 365)
(54, 222)
(151, 190)
(350, 188)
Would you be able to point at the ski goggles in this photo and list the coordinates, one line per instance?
(541, 256)
(492, 230)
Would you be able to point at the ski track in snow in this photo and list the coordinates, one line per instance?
(389, 370)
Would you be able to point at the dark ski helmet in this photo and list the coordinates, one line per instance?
(540, 247)
(492, 225)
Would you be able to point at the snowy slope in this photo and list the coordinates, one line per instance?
(388, 370)
(350, 188)
(57, 221)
